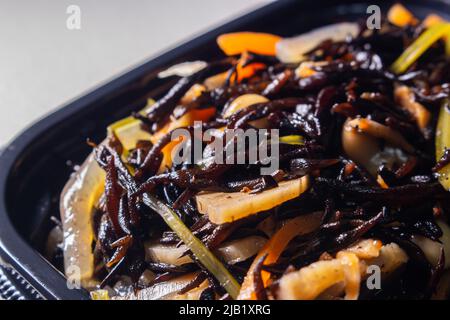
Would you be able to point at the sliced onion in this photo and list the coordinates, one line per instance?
(360, 142)
(443, 142)
(445, 239)
(77, 202)
(292, 50)
(306, 68)
(231, 252)
(215, 81)
(168, 290)
(268, 226)
(146, 278)
(390, 258)
(327, 276)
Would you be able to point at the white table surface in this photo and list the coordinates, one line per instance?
(43, 64)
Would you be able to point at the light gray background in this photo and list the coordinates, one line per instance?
(43, 64)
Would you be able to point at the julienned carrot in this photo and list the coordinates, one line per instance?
(239, 42)
(443, 142)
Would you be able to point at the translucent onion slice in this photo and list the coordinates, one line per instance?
(77, 204)
(231, 252)
(240, 42)
(390, 258)
(445, 239)
(431, 249)
(200, 251)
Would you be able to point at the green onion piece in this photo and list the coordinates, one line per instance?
(200, 251)
(419, 46)
(292, 139)
(443, 142)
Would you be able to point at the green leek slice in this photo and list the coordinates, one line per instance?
(443, 142)
(292, 139)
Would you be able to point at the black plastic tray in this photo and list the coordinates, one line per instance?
(34, 167)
